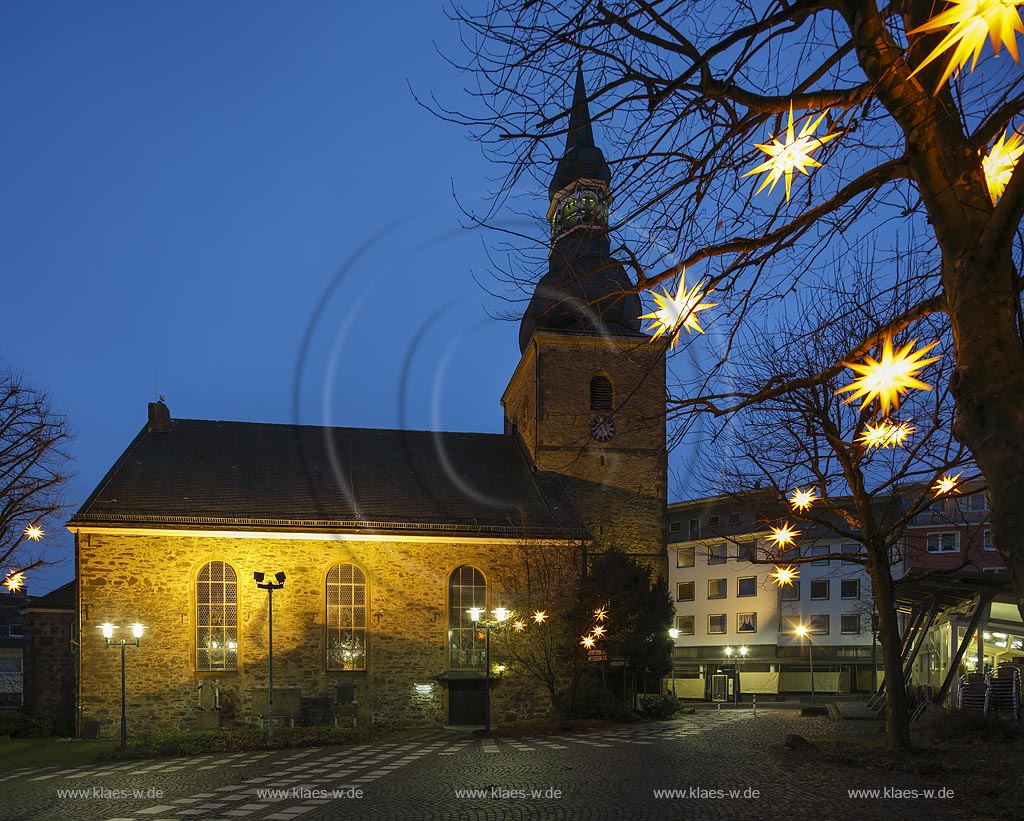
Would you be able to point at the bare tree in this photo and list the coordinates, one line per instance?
(687, 91)
(33, 472)
(866, 477)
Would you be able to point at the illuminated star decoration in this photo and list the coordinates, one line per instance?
(33, 532)
(783, 536)
(802, 499)
(783, 576)
(601, 614)
(794, 154)
(680, 311)
(946, 484)
(14, 582)
(519, 626)
(587, 641)
(540, 617)
(598, 631)
(972, 22)
(999, 163)
(885, 434)
(886, 378)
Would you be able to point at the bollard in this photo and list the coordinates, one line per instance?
(755, 704)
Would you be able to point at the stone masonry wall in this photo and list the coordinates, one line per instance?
(50, 665)
(151, 578)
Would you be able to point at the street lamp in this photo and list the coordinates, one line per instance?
(500, 614)
(108, 635)
(804, 633)
(673, 633)
(270, 587)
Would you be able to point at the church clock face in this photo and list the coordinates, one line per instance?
(602, 428)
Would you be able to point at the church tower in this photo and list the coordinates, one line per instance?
(587, 399)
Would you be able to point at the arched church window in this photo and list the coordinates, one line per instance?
(346, 618)
(466, 589)
(602, 393)
(216, 617)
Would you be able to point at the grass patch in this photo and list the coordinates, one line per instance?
(16, 753)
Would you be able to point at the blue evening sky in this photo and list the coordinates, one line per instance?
(192, 191)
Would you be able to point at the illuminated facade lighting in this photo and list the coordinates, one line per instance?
(886, 378)
(792, 155)
(678, 312)
(971, 22)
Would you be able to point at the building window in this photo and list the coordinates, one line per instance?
(849, 623)
(684, 591)
(694, 529)
(788, 625)
(943, 542)
(818, 550)
(746, 552)
(717, 589)
(675, 527)
(746, 622)
(746, 586)
(684, 557)
(346, 618)
(818, 625)
(216, 617)
(986, 540)
(714, 521)
(718, 553)
(716, 623)
(849, 588)
(602, 394)
(15, 631)
(732, 518)
(819, 589)
(466, 589)
(791, 592)
(684, 624)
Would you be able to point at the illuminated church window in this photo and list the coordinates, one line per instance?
(217, 617)
(466, 589)
(346, 618)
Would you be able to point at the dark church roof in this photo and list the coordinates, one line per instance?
(232, 475)
(585, 290)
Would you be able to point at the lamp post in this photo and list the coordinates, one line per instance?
(739, 662)
(500, 615)
(673, 633)
(270, 587)
(108, 634)
(803, 632)
(736, 671)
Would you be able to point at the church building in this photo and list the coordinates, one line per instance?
(383, 539)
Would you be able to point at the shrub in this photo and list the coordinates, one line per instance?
(28, 723)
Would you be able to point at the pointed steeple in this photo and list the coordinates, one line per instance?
(585, 291)
(582, 159)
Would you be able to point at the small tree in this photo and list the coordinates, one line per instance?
(33, 473)
(569, 608)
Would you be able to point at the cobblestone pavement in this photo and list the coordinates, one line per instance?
(722, 765)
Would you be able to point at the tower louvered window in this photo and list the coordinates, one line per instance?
(466, 648)
(346, 618)
(602, 394)
(217, 617)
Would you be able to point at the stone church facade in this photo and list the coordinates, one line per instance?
(386, 538)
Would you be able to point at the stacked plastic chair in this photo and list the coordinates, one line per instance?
(1004, 690)
(973, 694)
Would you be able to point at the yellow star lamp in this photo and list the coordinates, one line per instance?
(792, 155)
(784, 536)
(783, 576)
(801, 500)
(999, 163)
(680, 311)
(970, 23)
(886, 378)
(885, 434)
(946, 484)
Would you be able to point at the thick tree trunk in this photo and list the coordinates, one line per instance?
(988, 385)
(897, 714)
